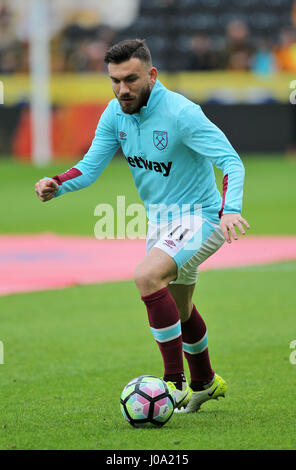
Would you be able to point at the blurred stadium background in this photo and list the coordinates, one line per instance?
(237, 58)
(60, 382)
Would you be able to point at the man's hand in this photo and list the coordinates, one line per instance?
(46, 189)
(229, 222)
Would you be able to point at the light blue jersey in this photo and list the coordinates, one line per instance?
(170, 147)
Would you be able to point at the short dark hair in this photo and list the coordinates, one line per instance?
(127, 49)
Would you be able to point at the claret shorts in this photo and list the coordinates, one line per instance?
(189, 240)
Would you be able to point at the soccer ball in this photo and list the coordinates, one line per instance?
(147, 401)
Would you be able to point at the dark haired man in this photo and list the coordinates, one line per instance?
(170, 147)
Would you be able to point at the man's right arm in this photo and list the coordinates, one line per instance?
(85, 172)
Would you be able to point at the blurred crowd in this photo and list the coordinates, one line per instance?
(80, 45)
(240, 52)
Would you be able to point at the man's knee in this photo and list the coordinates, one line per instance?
(147, 280)
(154, 272)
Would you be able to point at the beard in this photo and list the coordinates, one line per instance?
(134, 104)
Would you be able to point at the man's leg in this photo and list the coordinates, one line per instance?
(194, 336)
(152, 277)
(205, 384)
(156, 272)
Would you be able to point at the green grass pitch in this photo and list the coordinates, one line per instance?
(68, 353)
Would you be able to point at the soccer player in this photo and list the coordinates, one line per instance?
(170, 147)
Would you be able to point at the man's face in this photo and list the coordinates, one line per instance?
(132, 82)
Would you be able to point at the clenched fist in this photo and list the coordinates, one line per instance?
(46, 189)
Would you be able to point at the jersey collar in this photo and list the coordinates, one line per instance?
(156, 94)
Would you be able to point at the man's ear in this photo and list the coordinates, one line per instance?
(153, 75)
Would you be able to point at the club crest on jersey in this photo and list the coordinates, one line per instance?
(160, 139)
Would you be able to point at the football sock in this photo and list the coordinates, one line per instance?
(198, 386)
(178, 379)
(165, 325)
(195, 347)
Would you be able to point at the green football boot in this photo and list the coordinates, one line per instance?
(180, 396)
(193, 401)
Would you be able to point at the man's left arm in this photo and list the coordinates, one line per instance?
(210, 142)
(233, 179)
